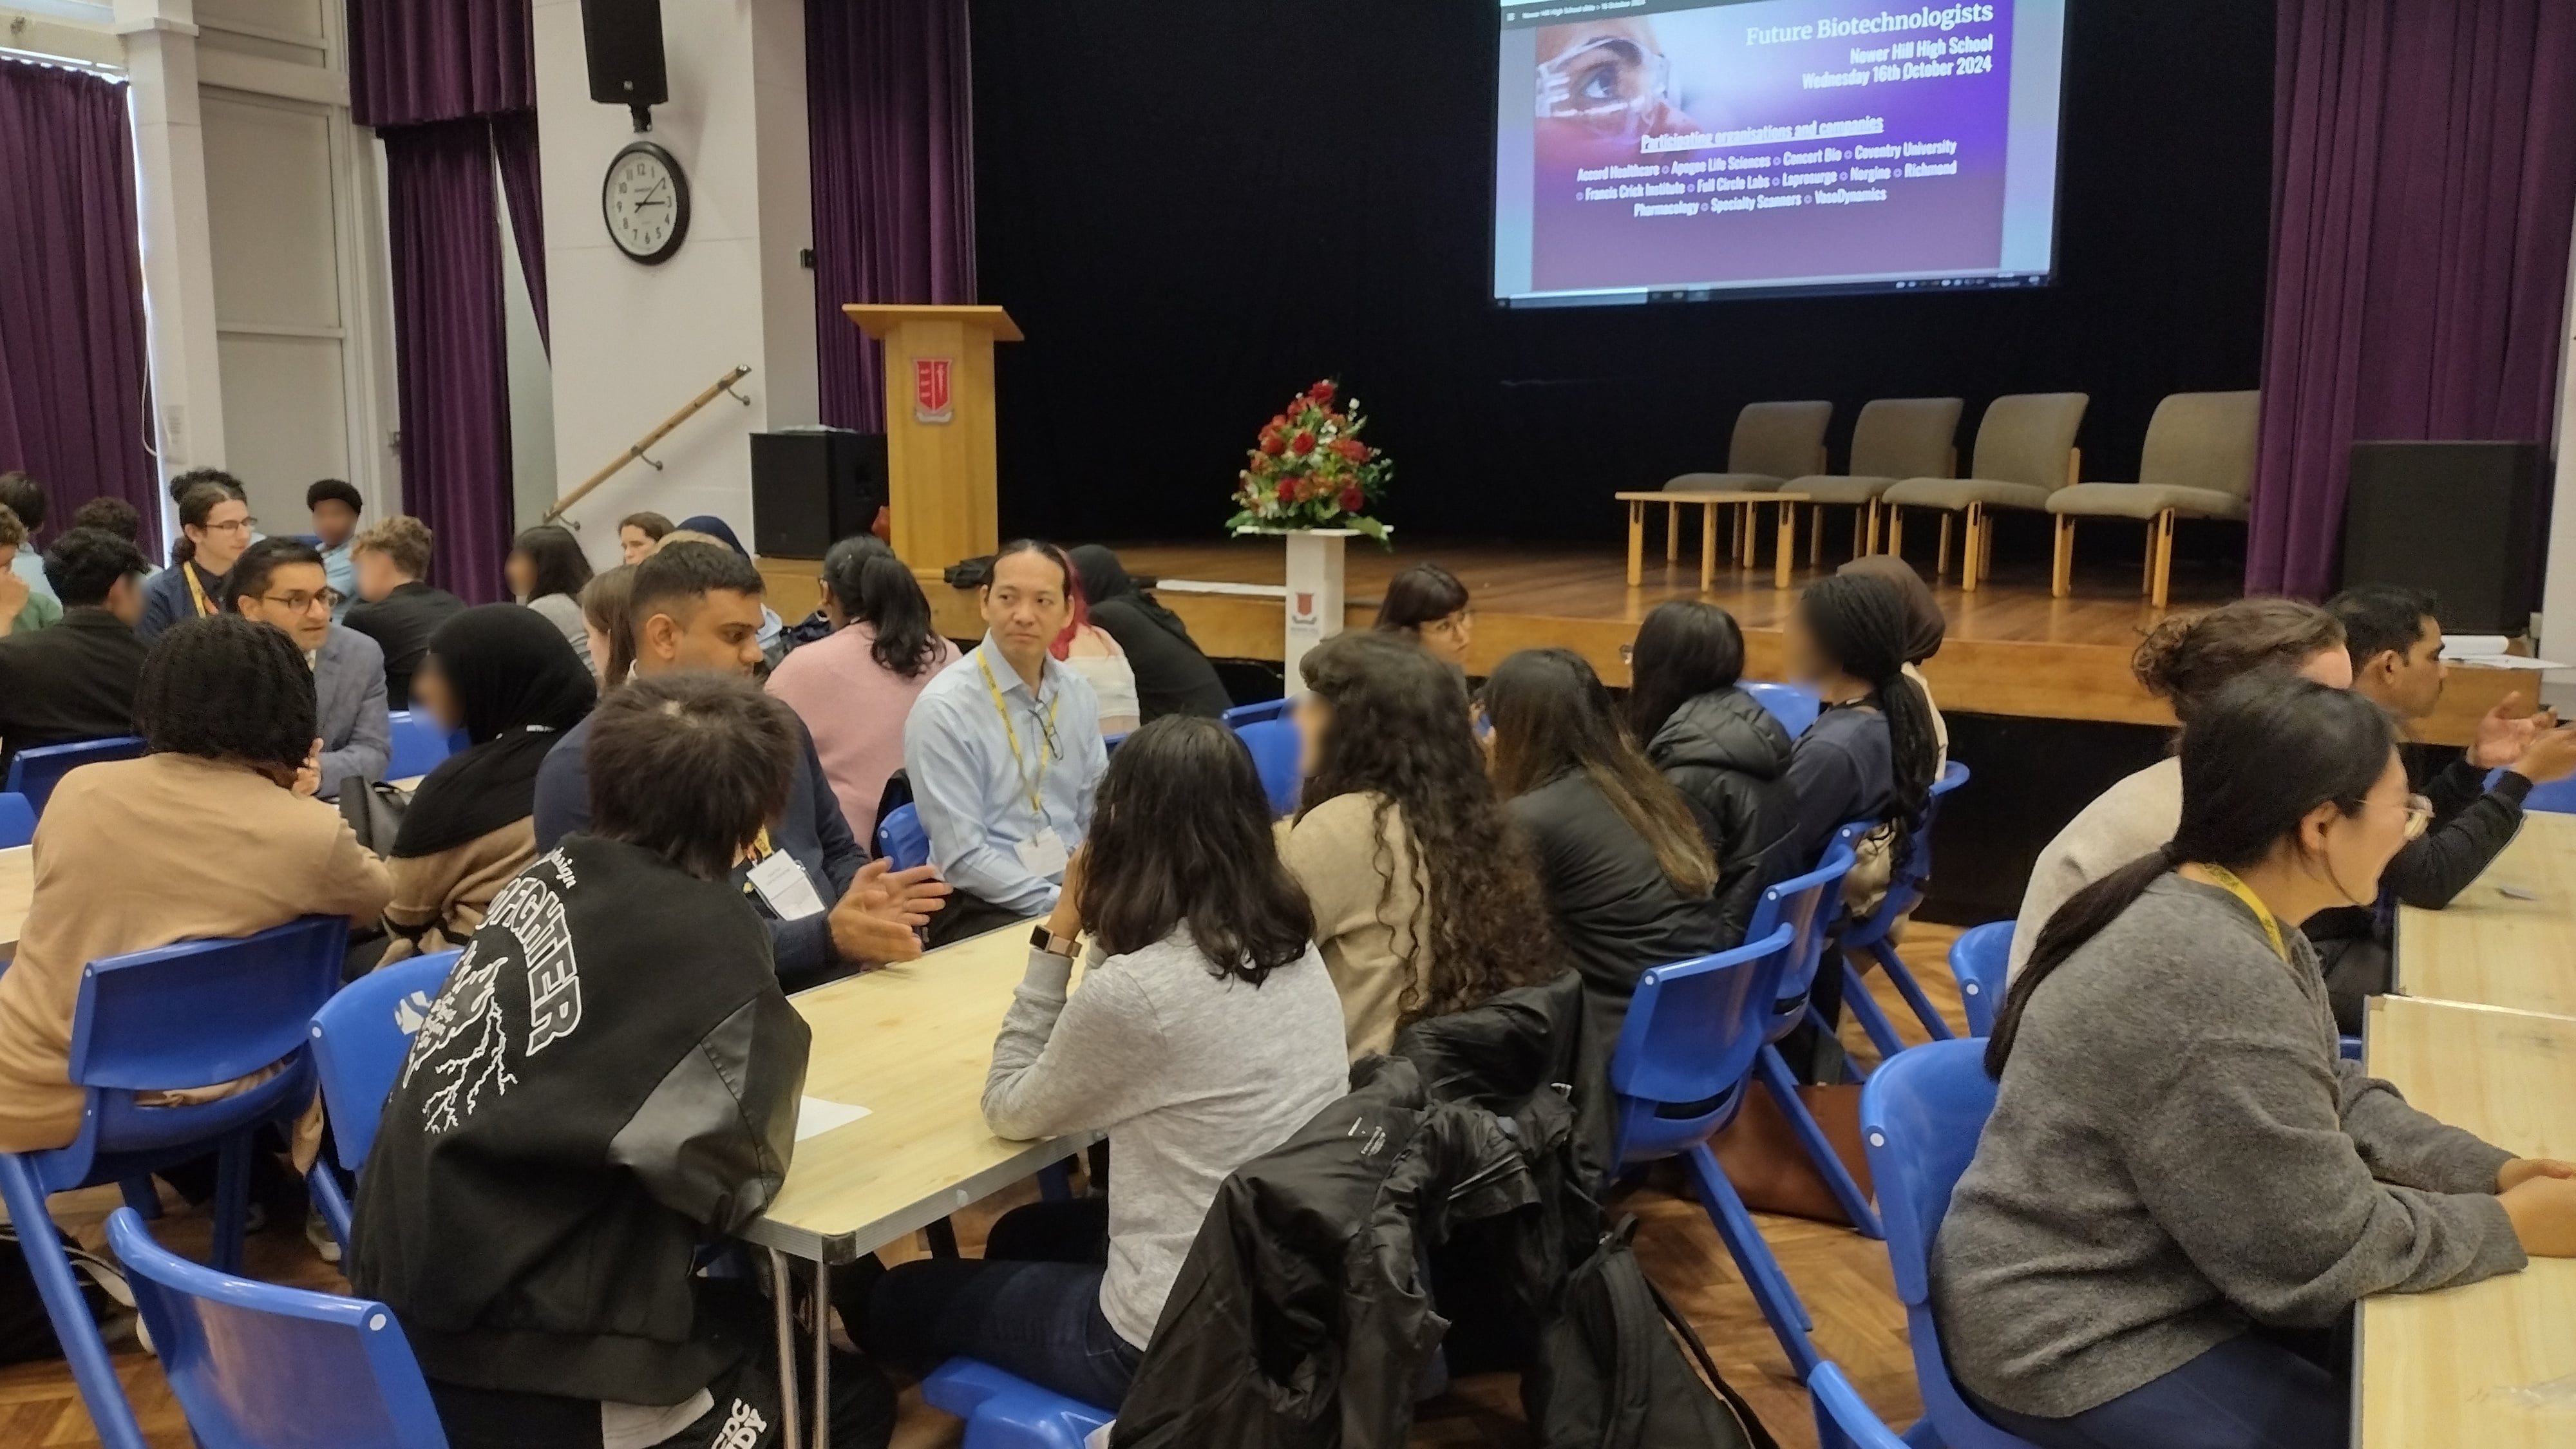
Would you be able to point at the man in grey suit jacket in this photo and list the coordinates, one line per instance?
(281, 582)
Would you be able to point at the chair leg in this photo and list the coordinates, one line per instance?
(1784, 1094)
(331, 1202)
(1672, 532)
(1815, 535)
(1771, 1290)
(1896, 530)
(1865, 1009)
(141, 1196)
(1912, 990)
(78, 1334)
(1747, 524)
(1971, 562)
(232, 1203)
(2163, 555)
(1941, 556)
(1055, 1184)
(1872, 546)
(1985, 544)
(2061, 569)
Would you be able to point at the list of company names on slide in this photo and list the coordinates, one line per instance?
(1743, 143)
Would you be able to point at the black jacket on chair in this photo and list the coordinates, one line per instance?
(74, 681)
(1731, 758)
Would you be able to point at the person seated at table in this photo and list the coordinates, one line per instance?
(2394, 638)
(2184, 662)
(1204, 1034)
(607, 619)
(279, 582)
(205, 836)
(396, 607)
(1623, 863)
(545, 570)
(115, 515)
(25, 497)
(1925, 629)
(1003, 750)
(76, 681)
(637, 534)
(505, 677)
(1172, 675)
(854, 687)
(1716, 744)
(830, 911)
(2183, 1185)
(1428, 605)
(24, 609)
(609, 1078)
(1425, 894)
(214, 527)
(335, 506)
(1092, 653)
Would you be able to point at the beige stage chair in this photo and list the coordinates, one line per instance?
(1773, 442)
(1896, 438)
(2025, 452)
(2198, 463)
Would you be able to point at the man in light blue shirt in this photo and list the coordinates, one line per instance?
(335, 507)
(1004, 752)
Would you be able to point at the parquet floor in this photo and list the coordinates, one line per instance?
(1842, 1277)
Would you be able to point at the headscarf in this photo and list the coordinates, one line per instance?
(1105, 578)
(1924, 625)
(519, 686)
(713, 527)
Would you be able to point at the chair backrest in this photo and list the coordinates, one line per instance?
(280, 1368)
(1783, 439)
(2029, 437)
(1906, 437)
(1843, 1416)
(1795, 706)
(360, 1038)
(2558, 797)
(1692, 1027)
(34, 773)
(901, 840)
(1244, 714)
(1275, 748)
(1807, 905)
(1905, 885)
(17, 821)
(1920, 1115)
(2203, 440)
(1979, 960)
(419, 744)
(202, 1012)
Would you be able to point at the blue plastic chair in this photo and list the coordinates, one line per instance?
(2558, 797)
(1109, 743)
(1920, 1117)
(34, 773)
(1807, 905)
(1843, 1418)
(1677, 1078)
(1980, 960)
(360, 1038)
(1004, 1411)
(1794, 705)
(17, 821)
(419, 744)
(1904, 893)
(1244, 714)
(1275, 748)
(901, 840)
(186, 1015)
(256, 1366)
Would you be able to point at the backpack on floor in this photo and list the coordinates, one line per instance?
(1615, 1372)
(26, 1333)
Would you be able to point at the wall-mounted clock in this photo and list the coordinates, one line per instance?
(645, 201)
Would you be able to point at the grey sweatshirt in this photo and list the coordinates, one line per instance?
(2178, 1151)
(1192, 1074)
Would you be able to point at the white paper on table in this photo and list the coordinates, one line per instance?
(2506, 661)
(815, 1116)
(2464, 646)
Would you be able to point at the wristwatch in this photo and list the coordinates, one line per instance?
(1054, 945)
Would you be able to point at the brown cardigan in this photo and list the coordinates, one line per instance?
(141, 853)
(439, 900)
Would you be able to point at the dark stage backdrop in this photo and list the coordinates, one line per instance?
(1195, 209)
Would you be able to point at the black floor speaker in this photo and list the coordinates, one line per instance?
(622, 40)
(2463, 520)
(812, 487)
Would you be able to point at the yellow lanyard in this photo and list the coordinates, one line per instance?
(1019, 762)
(197, 591)
(2228, 881)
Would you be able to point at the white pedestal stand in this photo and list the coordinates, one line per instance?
(1313, 605)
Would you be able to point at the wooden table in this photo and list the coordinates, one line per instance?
(17, 888)
(1708, 504)
(2491, 947)
(2439, 1368)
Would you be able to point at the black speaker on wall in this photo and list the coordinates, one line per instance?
(2460, 519)
(623, 40)
(813, 486)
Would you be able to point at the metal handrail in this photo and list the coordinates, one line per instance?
(687, 410)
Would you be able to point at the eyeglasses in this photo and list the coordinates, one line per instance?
(239, 525)
(300, 602)
(2419, 816)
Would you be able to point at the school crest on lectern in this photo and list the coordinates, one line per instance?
(932, 401)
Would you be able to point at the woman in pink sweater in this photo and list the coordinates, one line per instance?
(854, 688)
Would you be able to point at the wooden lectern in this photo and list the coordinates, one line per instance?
(939, 429)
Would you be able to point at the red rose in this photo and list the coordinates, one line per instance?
(1323, 391)
(1271, 444)
(1280, 422)
(1287, 490)
(1353, 449)
(1302, 444)
(1352, 499)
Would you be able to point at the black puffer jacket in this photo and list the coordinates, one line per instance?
(1726, 752)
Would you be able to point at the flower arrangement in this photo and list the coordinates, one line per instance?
(1310, 469)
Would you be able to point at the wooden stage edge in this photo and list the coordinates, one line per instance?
(2012, 649)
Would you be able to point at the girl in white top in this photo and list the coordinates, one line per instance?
(1091, 653)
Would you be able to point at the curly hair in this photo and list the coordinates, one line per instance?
(227, 688)
(2186, 661)
(1400, 731)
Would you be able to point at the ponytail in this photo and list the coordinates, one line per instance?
(1860, 621)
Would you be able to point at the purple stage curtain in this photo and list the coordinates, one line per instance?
(514, 145)
(454, 375)
(73, 378)
(2424, 178)
(412, 61)
(890, 113)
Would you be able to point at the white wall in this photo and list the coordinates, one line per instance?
(2558, 596)
(632, 343)
(532, 388)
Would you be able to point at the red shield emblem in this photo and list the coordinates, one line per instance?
(931, 398)
(1305, 605)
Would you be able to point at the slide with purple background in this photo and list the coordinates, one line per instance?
(1774, 144)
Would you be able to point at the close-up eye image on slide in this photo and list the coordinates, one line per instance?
(1670, 151)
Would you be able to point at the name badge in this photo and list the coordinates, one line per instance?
(785, 888)
(1042, 853)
